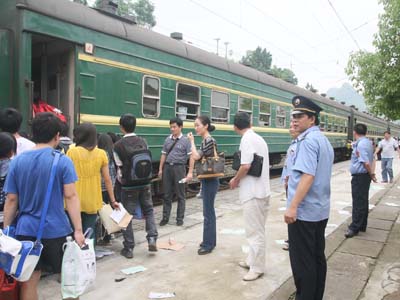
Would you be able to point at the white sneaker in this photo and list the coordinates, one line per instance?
(243, 264)
(199, 196)
(251, 275)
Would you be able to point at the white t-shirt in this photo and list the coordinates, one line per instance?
(24, 144)
(387, 147)
(254, 187)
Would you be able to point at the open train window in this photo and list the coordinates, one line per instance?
(187, 101)
(264, 117)
(151, 96)
(246, 105)
(219, 107)
(280, 117)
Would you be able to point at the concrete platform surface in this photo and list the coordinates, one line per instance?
(217, 275)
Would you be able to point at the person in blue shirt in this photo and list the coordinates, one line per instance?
(26, 186)
(361, 170)
(308, 202)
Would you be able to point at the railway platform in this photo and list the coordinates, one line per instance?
(366, 267)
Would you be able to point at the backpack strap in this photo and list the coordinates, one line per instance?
(57, 155)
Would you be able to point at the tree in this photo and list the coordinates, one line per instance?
(259, 59)
(377, 75)
(143, 10)
(284, 74)
(311, 88)
(84, 2)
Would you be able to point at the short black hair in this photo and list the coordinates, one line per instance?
(64, 129)
(176, 121)
(310, 114)
(8, 145)
(387, 131)
(45, 127)
(128, 122)
(10, 120)
(360, 129)
(242, 120)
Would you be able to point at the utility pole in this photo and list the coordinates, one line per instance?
(226, 49)
(217, 39)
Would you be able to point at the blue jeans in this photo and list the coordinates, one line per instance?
(386, 164)
(209, 190)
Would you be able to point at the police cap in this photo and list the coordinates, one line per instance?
(302, 105)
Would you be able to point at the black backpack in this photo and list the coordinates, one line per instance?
(137, 163)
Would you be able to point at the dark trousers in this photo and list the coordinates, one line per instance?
(209, 190)
(307, 258)
(171, 186)
(129, 199)
(89, 221)
(360, 192)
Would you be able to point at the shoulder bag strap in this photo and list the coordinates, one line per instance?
(170, 149)
(57, 155)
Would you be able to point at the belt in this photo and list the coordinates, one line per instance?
(360, 174)
(174, 164)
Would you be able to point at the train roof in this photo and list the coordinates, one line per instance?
(87, 17)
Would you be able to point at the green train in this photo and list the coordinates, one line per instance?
(95, 66)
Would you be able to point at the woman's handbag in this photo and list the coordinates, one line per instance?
(19, 258)
(209, 167)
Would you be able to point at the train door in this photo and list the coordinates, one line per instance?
(6, 74)
(53, 72)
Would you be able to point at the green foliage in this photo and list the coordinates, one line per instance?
(284, 74)
(377, 75)
(143, 10)
(310, 87)
(261, 60)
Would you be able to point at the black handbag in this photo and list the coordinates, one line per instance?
(208, 167)
(256, 165)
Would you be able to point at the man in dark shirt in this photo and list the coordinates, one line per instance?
(130, 195)
(174, 156)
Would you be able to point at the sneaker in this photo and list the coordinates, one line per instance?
(179, 223)
(163, 222)
(199, 196)
(128, 253)
(153, 244)
(243, 264)
(251, 275)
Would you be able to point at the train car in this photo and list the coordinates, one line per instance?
(95, 66)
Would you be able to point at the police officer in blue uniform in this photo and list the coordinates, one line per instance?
(361, 169)
(308, 202)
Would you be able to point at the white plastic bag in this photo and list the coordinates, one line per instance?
(78, 273)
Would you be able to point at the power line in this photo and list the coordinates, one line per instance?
(250, 32)
(344, 25)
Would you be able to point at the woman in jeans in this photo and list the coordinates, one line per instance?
(209, 186)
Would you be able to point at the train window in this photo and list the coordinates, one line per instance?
(265, 114)
(187, 101)
(246, 105)
(219, 107)
(280, 116)
(151, 96)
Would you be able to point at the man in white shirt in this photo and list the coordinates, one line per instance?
(254, 194)
(388, 146)
(10, 121)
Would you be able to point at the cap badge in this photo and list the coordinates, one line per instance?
(297, 101)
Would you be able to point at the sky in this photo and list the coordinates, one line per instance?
(306, 36)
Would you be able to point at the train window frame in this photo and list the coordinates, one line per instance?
(198, 104)
(264, 114)
(217, 120)
(250, 112)
(282, 108)
(157, 115)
